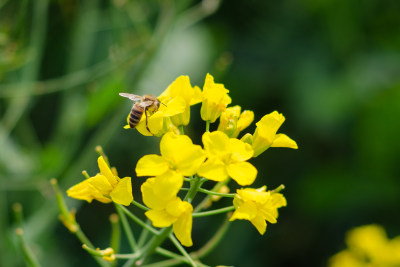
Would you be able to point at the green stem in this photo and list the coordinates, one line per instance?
(140, 206)
(154, 243)
(215, 193)
(195, 184)
(182, 250)
(144, 234)
(29, 257)
(169, 254)
(127, 228)
(207, 126)
(212, 212)
(115, 239)
(137, 220)
(206, 200)
(127, 256)
(278, 189)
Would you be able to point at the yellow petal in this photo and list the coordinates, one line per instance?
(105, 170)
(85, 191)
(168, 185)
(260, 224)
(183, 226)
(269, 214)
(82, 191)
(182, 87)
(242, 172)
(240, 150)
(154, 123)
(196, 96)
(278, 200)
(151, 165)
(246, 211)
(157, 192)
(216, 144)
(184, 156)
(282, 140)
(182, 118)
(101, 183)
(245, 119)
(215, 99)
(265, 132)
(213, 169)
(160, 218)
(122, 193)
(175, 106)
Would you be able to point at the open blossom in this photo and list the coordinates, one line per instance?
(181, 88)
(227, 157)
(166, 209)
(178, 153)
(257, 206)
(104, 187)
(265, 135)
(215, 99)
(233, 121)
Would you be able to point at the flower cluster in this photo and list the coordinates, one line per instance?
(221, 157)
(368, 246)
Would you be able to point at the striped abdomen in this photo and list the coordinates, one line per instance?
(136, 115)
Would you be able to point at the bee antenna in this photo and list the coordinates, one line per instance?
(163, 104)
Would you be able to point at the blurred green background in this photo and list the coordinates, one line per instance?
(331, 67)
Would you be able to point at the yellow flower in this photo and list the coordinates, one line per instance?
(181, 87)
(368, 246)
(159, 121)
(232, 122)
(265, 135)
(215, 99)
(257, 206)
(166, 209)
(227, 157)
(178, 154)
(104, 187)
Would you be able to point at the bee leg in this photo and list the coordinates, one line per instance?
(147, 126)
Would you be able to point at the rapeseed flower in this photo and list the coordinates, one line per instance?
(227, 157)
(178, 153)
(215, 98)
(257, 206)
(233, 121)
(104, 187)
(368, 246)
(181, 88)
(265, 135)
(166, 209)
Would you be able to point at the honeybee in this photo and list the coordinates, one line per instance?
(143, 104)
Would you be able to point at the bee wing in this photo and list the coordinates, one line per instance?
(131, 96)
(147, 103)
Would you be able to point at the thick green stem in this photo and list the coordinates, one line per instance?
(194, 188)
(207, 126)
